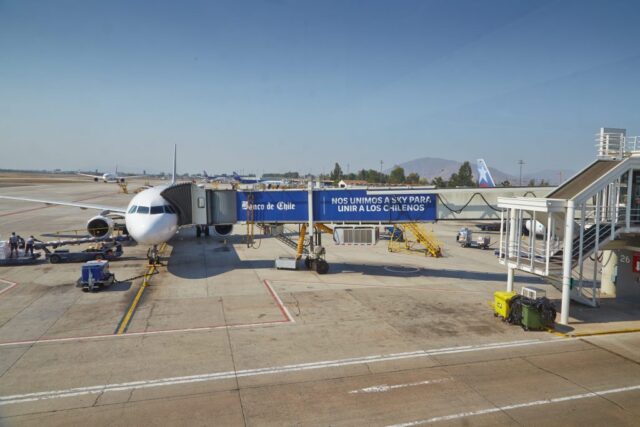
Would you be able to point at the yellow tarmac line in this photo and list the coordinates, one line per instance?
(134, 304)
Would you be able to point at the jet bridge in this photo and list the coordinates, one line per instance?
(196, 205)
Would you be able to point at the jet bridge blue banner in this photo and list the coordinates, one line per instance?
(273, 206)
(362, 206)
(351, 206)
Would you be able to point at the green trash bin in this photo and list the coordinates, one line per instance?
(532, 318)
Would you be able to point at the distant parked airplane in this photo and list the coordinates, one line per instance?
(484, 175)
(254, 180)
(110, 177)
(215, 178)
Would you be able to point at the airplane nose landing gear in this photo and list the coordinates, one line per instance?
(153, 255)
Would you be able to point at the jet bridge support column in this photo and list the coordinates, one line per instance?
(609, 269)
(310, 227)
(510, 272)
(567, 264)
(315, 260)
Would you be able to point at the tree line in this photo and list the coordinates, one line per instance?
(462, 178)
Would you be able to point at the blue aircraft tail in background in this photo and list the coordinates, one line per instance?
(484, 176)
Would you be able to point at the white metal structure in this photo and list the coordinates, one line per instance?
(580, 218)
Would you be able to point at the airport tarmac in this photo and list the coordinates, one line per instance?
(219, 337)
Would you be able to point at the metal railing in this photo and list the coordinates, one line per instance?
(617, 146)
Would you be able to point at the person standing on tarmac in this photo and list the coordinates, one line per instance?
(13, 244)
(29, 246)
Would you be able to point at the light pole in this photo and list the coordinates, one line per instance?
(520, 162)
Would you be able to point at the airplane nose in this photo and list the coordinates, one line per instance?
(142, 232)
(151, 229)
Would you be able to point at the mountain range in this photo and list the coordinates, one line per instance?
(431, 167)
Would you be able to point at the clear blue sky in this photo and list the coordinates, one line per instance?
(294, 85)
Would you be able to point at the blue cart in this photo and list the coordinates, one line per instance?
(96, 274)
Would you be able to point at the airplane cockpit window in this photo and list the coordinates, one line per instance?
(143, 209)
(157, 210)
(132, 209)
(169, 209)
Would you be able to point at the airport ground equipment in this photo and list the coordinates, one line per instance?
(20, 260)
(108, 251)
(501, 303)
(414, 237)
(95, 274)
(356, 235)
(286, 263)
(466, 240)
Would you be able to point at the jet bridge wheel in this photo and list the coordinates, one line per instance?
(322, 266)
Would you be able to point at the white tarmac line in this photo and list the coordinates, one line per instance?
(283, 309)
(518, 406)
(11, 285)
(145, 333)
(384, 387)
(216, 376)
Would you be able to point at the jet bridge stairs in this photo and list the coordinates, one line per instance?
(574, 224)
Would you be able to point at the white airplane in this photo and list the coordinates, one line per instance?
(110, 177)
(150, 219)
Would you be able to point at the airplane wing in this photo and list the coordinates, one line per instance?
(73, 204)
(90, 176)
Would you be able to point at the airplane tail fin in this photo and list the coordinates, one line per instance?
(204, 174)
(484, 175)
(175, 151)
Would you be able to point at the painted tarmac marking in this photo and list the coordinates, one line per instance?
(124, 323)
(144, 333)
(368, 285)
(384, 387)
(279, 303)
(518, 406)
(272, 292)
(216, 376)
(11, 285)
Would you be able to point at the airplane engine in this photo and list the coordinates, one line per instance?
(100, 226)
(95, 179)
(122, 180)
(223, 230)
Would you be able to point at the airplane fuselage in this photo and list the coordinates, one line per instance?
(150, 218)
